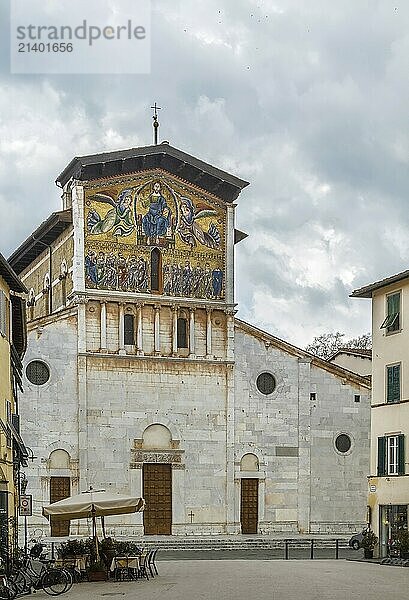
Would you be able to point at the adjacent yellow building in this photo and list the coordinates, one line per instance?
(389, 475)
(13, 453)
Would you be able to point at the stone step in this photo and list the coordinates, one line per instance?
(214, 545)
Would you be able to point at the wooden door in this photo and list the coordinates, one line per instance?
(59, 489)
(157, 492)
(249, 505)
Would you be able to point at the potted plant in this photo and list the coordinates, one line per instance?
(97, 571)
(72, 548)
(369, 541)
(402, 542)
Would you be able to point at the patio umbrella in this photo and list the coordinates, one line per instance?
(92, 504)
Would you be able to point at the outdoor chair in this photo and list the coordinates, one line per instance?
(144, 564)
(152, 563)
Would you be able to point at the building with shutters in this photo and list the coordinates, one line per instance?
(389, 471)
(13, 453)
(140, 379)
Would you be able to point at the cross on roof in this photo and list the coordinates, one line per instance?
(155, 108)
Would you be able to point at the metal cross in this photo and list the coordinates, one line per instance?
(191, 515)
(155, 108)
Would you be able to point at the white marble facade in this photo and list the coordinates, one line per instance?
(112, 407)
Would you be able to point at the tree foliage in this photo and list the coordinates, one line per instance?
(326, 344)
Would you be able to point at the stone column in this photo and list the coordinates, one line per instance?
(229, 274)
(82, 393)
(208, 333)
(121, 329)
(174, 330)
(78, 273)
(157, 328)
(103, 326)
(304, 444)
(230, 334)
(139, 330)
(232, 519)
(82, 323)
(192, 332)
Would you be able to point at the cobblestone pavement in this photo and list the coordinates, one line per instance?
(261, 580)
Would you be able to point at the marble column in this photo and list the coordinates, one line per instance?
(103, 318)
(121, 329)
(139, 330)
(192, 332)
(157, 328)
(174, 330)
(208, 333)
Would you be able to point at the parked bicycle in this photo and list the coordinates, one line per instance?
(34, 574)
(8, 590)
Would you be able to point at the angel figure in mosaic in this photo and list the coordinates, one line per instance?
(189, 229)
(118, 220)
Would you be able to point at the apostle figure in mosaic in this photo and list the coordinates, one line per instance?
(122, 268)
(118, 220)
(142, 275)
(187, 279)
(133, 272)
(101, 268)
(91, 268)
(191, 232)
(111, 276)
(167, 280)
(217, 282)
(157, 220)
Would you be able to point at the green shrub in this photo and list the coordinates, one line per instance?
(369, 540)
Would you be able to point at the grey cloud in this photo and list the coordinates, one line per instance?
(308, 101)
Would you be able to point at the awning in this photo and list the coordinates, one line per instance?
(93, 504)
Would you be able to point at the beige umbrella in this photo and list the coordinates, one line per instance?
(92, 504)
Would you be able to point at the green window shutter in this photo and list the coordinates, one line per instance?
(381, 456)
(393, 304)
(401, 454)
(393, 384)
(393, 318)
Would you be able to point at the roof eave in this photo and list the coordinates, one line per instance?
(49, 230)
(75, 169)
(367, 290)
(11, 277)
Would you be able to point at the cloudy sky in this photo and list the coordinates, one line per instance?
(306, 100)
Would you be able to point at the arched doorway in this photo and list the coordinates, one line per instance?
(157, 483)
(60, 488)
(249, 494)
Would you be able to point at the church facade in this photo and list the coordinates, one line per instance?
(140, 379)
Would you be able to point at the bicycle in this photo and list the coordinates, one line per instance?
(8, 591)
(36, 574)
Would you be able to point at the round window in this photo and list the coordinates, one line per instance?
(266, 383)
(37, 372)
(343, 443)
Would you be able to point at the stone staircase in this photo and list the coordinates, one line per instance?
(240, 543)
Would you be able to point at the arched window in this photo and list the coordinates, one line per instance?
(60, 488)
(46, 292)
(249, 462)
(31, 303)
(59, 459)
(63, 279)
(129, 330)
(156, 270)
(182, 333)
(156, 437)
